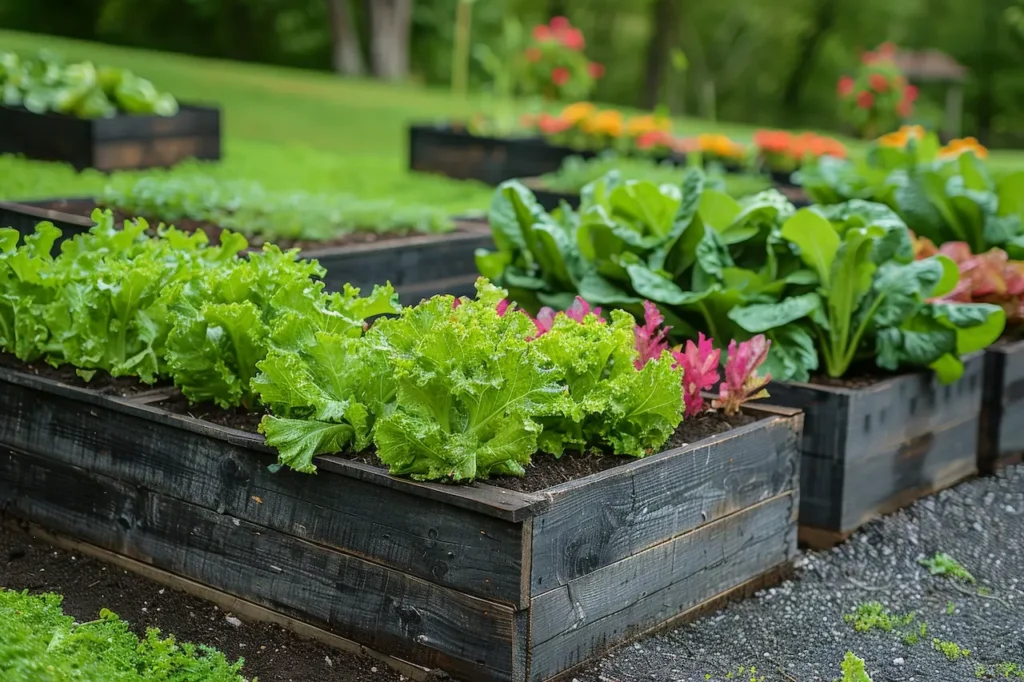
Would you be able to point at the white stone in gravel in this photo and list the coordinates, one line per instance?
(233, 621)
(1009, 509)
(897, 661)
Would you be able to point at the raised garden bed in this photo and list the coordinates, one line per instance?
(418, 266)
(873, 447)
(107, 144)
(463, 156)
(483, 582)
(1002, 412)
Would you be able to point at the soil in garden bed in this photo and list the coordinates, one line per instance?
(859, 380)
(84, 208)
(235, 418)
(103, 383)
(270, 652)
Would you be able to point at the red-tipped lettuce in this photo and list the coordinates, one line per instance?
(742, 383)
(699, 363)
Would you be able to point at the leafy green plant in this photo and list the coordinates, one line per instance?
(45, 83)
(951, 650)
(39, 642)
(247, 207)
(875, 616)
(865, 297)
(945, 194)
(853, 669)
(945, 565)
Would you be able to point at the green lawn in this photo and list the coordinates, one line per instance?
(295, 129)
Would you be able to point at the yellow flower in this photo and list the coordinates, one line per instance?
(604, 123)
(900, 138)
(648, 123)
(720, 146)
(576, 113)
(958, 147)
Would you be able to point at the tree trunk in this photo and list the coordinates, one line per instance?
(825, 18)
(659, 50)
(346, 57)
(390, 24)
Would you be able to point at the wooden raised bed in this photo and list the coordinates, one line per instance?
(482, 582)
(869, 451)
(418, 266)
(107, 144)
(1002, 412)
(492, 160)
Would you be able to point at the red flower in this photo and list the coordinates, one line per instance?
(552, 125)
(596, 70)
(887, 50)
(541, 32)
(533, 54)
(910, 93)
(905, 108)
(878, 82)
(865, 99)
(560, 24)
(572, 38)
(559, 75)
(845, 86)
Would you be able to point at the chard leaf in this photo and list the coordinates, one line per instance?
(816, 239)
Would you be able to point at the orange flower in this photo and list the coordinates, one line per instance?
(957, 147)
(576, 113)
(638, 125)
(900, 137)
(773, 141)
(604, 123)
(720, 146)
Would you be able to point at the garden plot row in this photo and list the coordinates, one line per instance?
(418, 266)
(481, 580)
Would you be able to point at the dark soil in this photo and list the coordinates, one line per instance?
(84, 207)
(270, 652)
(546, 471)
(857, 381)
(101, 382)
(236, 417)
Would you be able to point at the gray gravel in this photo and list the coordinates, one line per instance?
(796, 633)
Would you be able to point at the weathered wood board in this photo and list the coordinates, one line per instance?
(117, 143)
(869, 451)
(485, 583)
(1002, 411)
(417, 266)
(492, 160)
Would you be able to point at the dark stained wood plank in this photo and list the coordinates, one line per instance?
(428, 538)
(246, 610)
(824, 410)
(1002, 437)
(594, 612)
(503, 504)
(602, 519)
(385, 609)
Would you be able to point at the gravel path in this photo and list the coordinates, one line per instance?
(796, 632)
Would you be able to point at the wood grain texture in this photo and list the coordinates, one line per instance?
(230, 604)
(594, 612)
(428, 538)
(605, 518)
(872, 450)
(121, 142)
(460, 155)
(500, 503)
(1002, 416)
(384, 609)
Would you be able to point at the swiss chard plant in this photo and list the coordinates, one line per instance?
(693, 251)
(867, 300)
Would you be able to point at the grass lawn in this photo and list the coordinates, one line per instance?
(295, 129)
